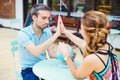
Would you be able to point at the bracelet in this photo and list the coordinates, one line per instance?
(66, 58)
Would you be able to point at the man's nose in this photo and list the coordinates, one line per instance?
(47, 21)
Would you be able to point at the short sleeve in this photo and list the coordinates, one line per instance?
(23, 38)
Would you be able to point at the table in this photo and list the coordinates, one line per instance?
(53, 69)
(114, 33)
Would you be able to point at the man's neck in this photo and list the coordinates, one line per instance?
(37, 30)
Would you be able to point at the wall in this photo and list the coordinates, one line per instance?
(16, 23)
(7, 9)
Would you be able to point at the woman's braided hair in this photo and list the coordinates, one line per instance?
(96, 26)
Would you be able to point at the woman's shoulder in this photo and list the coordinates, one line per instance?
(91, 61)
(91, 58)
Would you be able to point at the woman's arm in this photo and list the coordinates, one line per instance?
(78, 41)
(85, 68)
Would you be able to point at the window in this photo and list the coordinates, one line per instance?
(76, 8)
(105, 6)
(67, 7)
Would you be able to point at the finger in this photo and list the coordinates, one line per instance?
(60, 20)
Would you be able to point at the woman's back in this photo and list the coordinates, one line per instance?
(103, 65)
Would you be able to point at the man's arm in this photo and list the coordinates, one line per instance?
(51, 52)
(37, 50)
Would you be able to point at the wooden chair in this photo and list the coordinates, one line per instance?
(71, 23)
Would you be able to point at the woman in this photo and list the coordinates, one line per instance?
(99, 61)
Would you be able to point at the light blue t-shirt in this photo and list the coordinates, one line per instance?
(27, 36)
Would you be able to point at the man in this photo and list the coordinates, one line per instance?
(35, 39)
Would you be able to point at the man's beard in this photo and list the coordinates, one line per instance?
(41, 28)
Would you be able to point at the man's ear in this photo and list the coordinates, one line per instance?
(34, 17)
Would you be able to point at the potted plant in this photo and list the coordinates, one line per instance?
(115, 24)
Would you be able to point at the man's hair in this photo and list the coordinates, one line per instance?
(37, 7)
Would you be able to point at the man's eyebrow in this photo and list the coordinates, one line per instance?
(45, 17)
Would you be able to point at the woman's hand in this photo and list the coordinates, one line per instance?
(58, 31)
(62, 27)
(63, 49)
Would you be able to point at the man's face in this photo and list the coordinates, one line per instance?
(42, 20)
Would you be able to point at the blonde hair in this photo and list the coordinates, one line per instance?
(96, 26)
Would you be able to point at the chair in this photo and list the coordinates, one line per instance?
(14, 49)
(28, 20)
(72, 24)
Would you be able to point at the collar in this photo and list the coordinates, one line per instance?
(32, 30)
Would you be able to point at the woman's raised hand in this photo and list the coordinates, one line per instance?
(62, 27)
(58, 26)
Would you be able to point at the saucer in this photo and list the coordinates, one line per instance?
(62, 65)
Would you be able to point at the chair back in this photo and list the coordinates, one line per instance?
(28, 20)
(14, 49)
(14, 46)
(70, 23)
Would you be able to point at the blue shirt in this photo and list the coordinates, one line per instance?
(27, 36)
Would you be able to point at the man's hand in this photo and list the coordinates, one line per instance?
(59, 25)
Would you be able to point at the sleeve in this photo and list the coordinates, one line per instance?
(24, 38)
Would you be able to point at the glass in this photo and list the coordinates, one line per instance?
(62, 59)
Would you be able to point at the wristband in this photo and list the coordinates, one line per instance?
(66, 58)
(63, 58)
